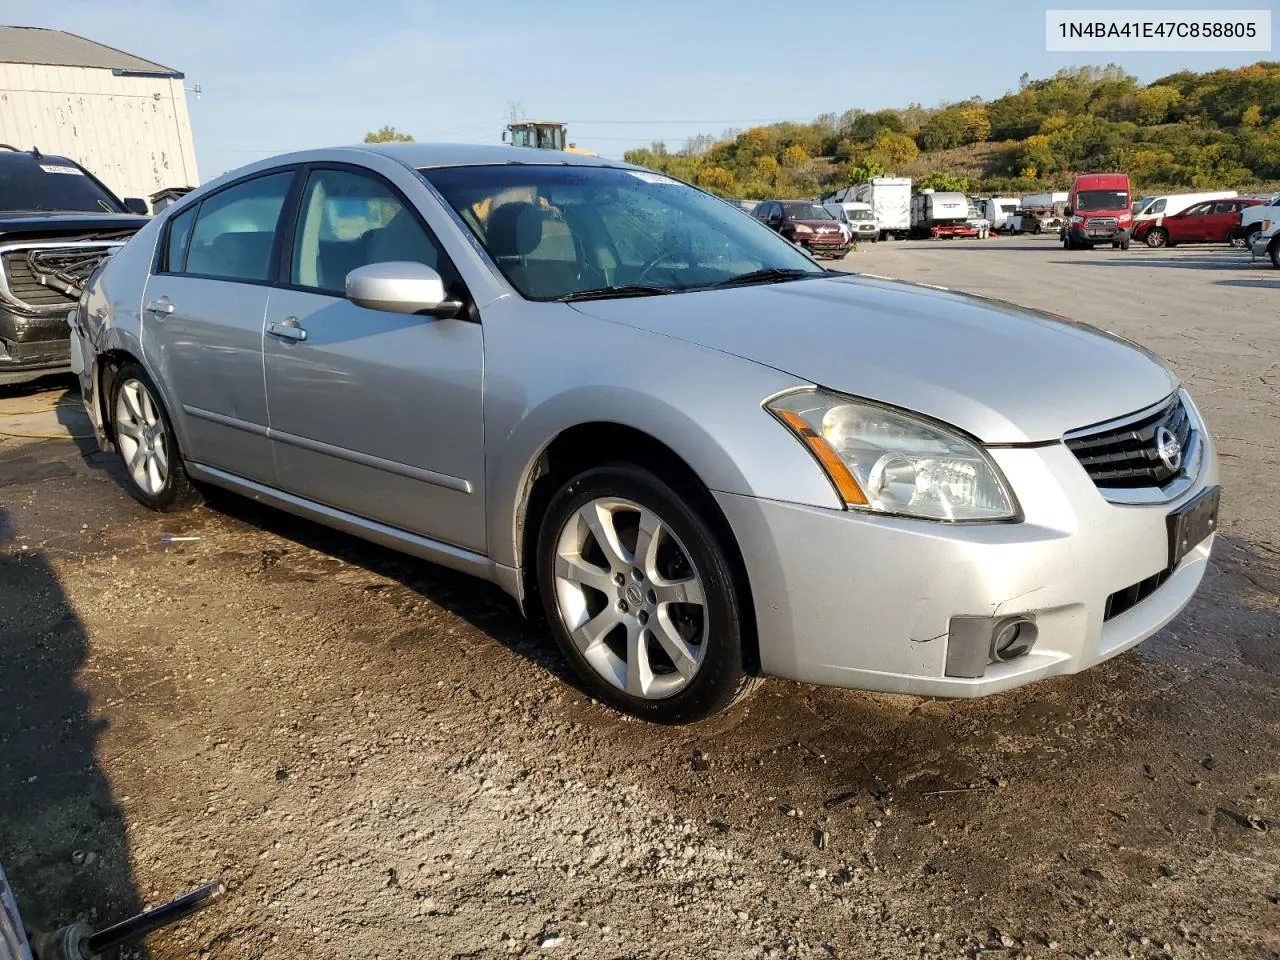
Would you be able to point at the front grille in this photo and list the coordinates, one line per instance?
(1099, 223)
(1134, 594)
(1128, 456)
(26, 287)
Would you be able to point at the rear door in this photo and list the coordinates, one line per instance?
(203, 319)
(377, 414)
(1223, 216)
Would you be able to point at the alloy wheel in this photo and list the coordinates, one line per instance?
(140, 434)
(630, 598)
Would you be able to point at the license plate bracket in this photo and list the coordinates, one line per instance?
(1191, 524)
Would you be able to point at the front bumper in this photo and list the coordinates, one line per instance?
(1104, 234)
(22, 362)
(848, 599)
(32, 344)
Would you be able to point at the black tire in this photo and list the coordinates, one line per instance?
(177, 492)
(1250, 232)
(1274, 250)
(1124, 244)
(721, 678)
(1036, 229)
(1157, 237)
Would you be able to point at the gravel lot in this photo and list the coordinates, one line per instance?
(381, 759)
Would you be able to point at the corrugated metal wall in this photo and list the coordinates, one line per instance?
(133, 133)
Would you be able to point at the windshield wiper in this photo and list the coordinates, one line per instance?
(618, 290)
(767, 275)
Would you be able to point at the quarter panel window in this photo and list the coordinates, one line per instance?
(349, 219)
(236, 228)
(175, 251)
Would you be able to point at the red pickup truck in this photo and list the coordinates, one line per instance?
(1098, 212)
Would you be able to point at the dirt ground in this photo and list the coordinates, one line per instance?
(381, 759)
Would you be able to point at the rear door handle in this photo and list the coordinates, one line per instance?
(159, 307)
(287, 329)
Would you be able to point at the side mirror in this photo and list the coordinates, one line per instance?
(401, 286)
(137, 205)
(1066, 212)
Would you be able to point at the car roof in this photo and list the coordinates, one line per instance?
(472, 154)
(30, 157)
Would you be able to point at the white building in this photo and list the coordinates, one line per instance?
(123, 118)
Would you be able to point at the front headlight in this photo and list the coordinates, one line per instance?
(890, 462)
(801, 228)
(1076, 219)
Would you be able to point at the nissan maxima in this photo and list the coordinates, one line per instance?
(701, 456)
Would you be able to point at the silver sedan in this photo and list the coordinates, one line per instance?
(702, 456)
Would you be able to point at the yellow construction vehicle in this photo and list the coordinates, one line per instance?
(542, 135)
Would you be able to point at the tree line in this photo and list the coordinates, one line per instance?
(1184, 131)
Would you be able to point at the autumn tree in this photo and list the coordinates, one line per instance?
(893, 150)
(388, 135)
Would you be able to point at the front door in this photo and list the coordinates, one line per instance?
(1189, 227)
(203, 313)
(376, 414)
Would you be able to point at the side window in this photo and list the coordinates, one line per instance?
(1199, 210)
(1158, 206)
(349, 219)
(235, 229)
(175, 248)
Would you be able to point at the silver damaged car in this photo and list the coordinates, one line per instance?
(704, 458)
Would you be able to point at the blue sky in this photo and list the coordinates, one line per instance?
(282, 74)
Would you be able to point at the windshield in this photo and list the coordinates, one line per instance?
(555, 231)
(49, 184)
(860, 215)
(806, 211)
(1102, 200)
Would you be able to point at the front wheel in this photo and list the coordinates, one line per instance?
(154, 473)
(641, 596)
(1275, 254)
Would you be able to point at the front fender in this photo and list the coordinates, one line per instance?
(704, 405)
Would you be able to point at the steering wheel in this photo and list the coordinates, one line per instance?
(653, 262)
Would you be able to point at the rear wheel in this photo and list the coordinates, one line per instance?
(1157, 237)
(641, 596)
(154, 472)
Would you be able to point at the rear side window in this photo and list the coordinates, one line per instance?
(235, 229)
(175, 248)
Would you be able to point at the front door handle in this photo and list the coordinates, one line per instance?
(160, 308)
(287, 329)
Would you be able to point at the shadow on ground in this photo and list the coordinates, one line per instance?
(63, 837)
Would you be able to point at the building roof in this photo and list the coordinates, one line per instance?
(61, 49)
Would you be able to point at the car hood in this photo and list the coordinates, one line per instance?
(1003, 373)
(18, 225)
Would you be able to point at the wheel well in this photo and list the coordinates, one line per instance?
(109, 364)
(590, 445)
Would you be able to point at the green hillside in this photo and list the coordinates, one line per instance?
(1187, 130)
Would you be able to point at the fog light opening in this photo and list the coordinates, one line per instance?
(1013, 638)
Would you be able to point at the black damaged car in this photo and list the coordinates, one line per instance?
(57, 223)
